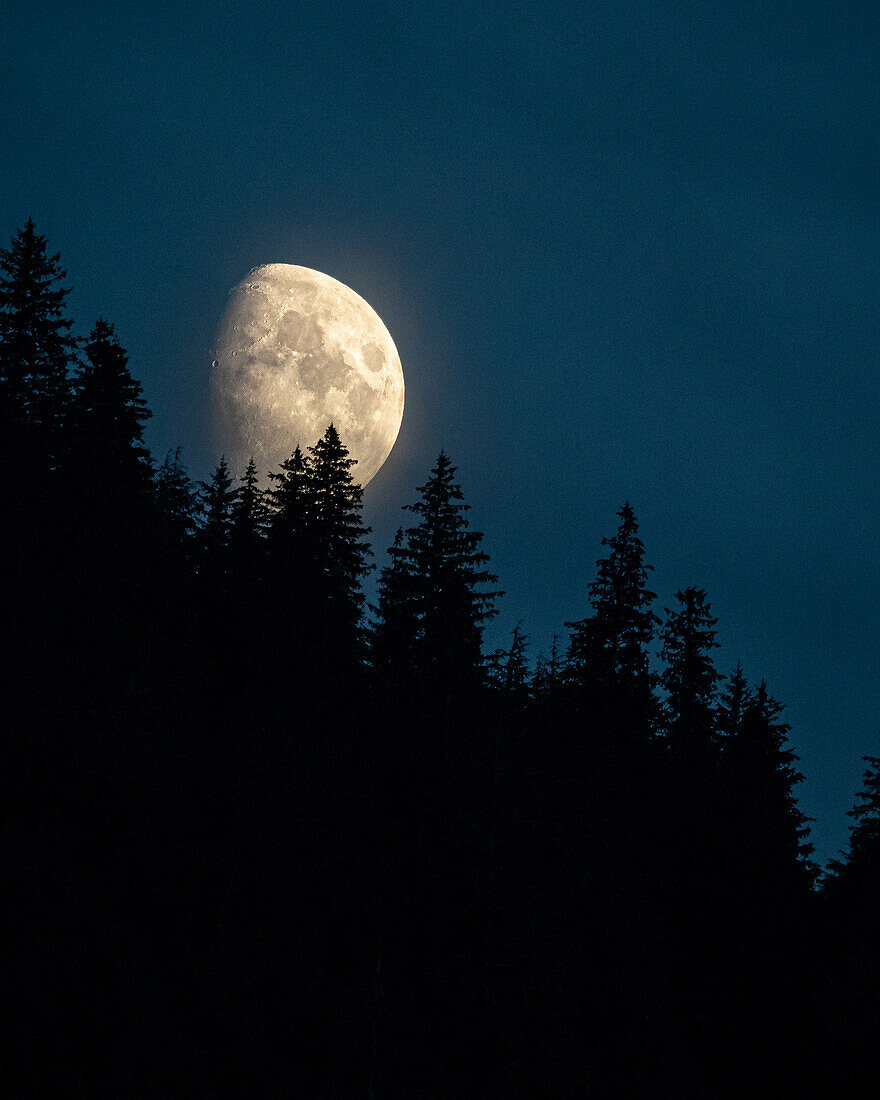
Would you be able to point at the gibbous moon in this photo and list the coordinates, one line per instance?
(297, 350)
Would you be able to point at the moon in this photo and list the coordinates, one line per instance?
(295, 351)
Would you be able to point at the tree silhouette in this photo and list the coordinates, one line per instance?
(36, 348)
(549, 672)
(862, 862)
(394, 632)
(690, 679)
(249, 513)
(515, 672)
(441, 564)
(338, 541)
(106, 419)
(762, 772)
(249, 847)
(733, 702)
(218, 503)
(177, 501)
(608, 660)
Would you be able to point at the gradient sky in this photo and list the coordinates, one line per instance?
(626, 251)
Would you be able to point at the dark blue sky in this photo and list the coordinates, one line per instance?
(626, 251)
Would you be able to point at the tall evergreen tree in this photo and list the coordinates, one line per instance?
(608, 660)
(291, 561)
(177, 500)
(516, 668)
(250, 520)
(549, 672)
(36, 348)
(218, 502)
(249, 512)
(108, 460)
(862, 862)
(338, 538)
(445, 571)
(762, 772)
(733, 702)
(690, 678)
(394, 632)
(289, 501)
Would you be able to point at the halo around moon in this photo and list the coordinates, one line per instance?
(295, 351)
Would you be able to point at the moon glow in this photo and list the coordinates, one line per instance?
(295, 351)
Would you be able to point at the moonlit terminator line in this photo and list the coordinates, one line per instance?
(295, 351)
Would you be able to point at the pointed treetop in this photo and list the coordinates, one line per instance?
(36, 348)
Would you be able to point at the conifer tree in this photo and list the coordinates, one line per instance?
(36, 348)
(548, 672)
(515, 681)
(393, 634)
(291, 562)
(249, 513)
(250, 518)
(864, 841)
(176, 499)
(106, 419)
(733, 701)
(289, 501)
(761, 770)
(218, 502)
(860, 869)
(443, 563)
(690, 678)
(338, 534)
(608, 662)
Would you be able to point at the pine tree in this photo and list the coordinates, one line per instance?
(761, 771)
(36, 348)
(338, 536)
(445, 567)
(249, 512)
(608, 663)
(393, 634)
(107, 457)
(289, 502)
(733, 701)
(177, 503)
(515, 682)
(317, 553)
(690, 679)
(862, 861)
(218, 502)
(291, 559)
(549, 673)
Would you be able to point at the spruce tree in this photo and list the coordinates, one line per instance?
(733, 701)
(515, 680)
(247, 536)
(291, 562)
(690, 679)
(36, 348)
(217, 502)
(108, 460)
(249, 511)
(761, 771)
(289, 502)
(338, 537)
(608, 665)
(393, 634)
(862, 863)
(445, 567)
(176, 499)
(549, 673)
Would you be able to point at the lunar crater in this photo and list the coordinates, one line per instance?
(295, 350)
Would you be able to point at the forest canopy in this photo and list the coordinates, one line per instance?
(261, 834)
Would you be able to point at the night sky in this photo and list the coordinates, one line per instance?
(625, 250)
